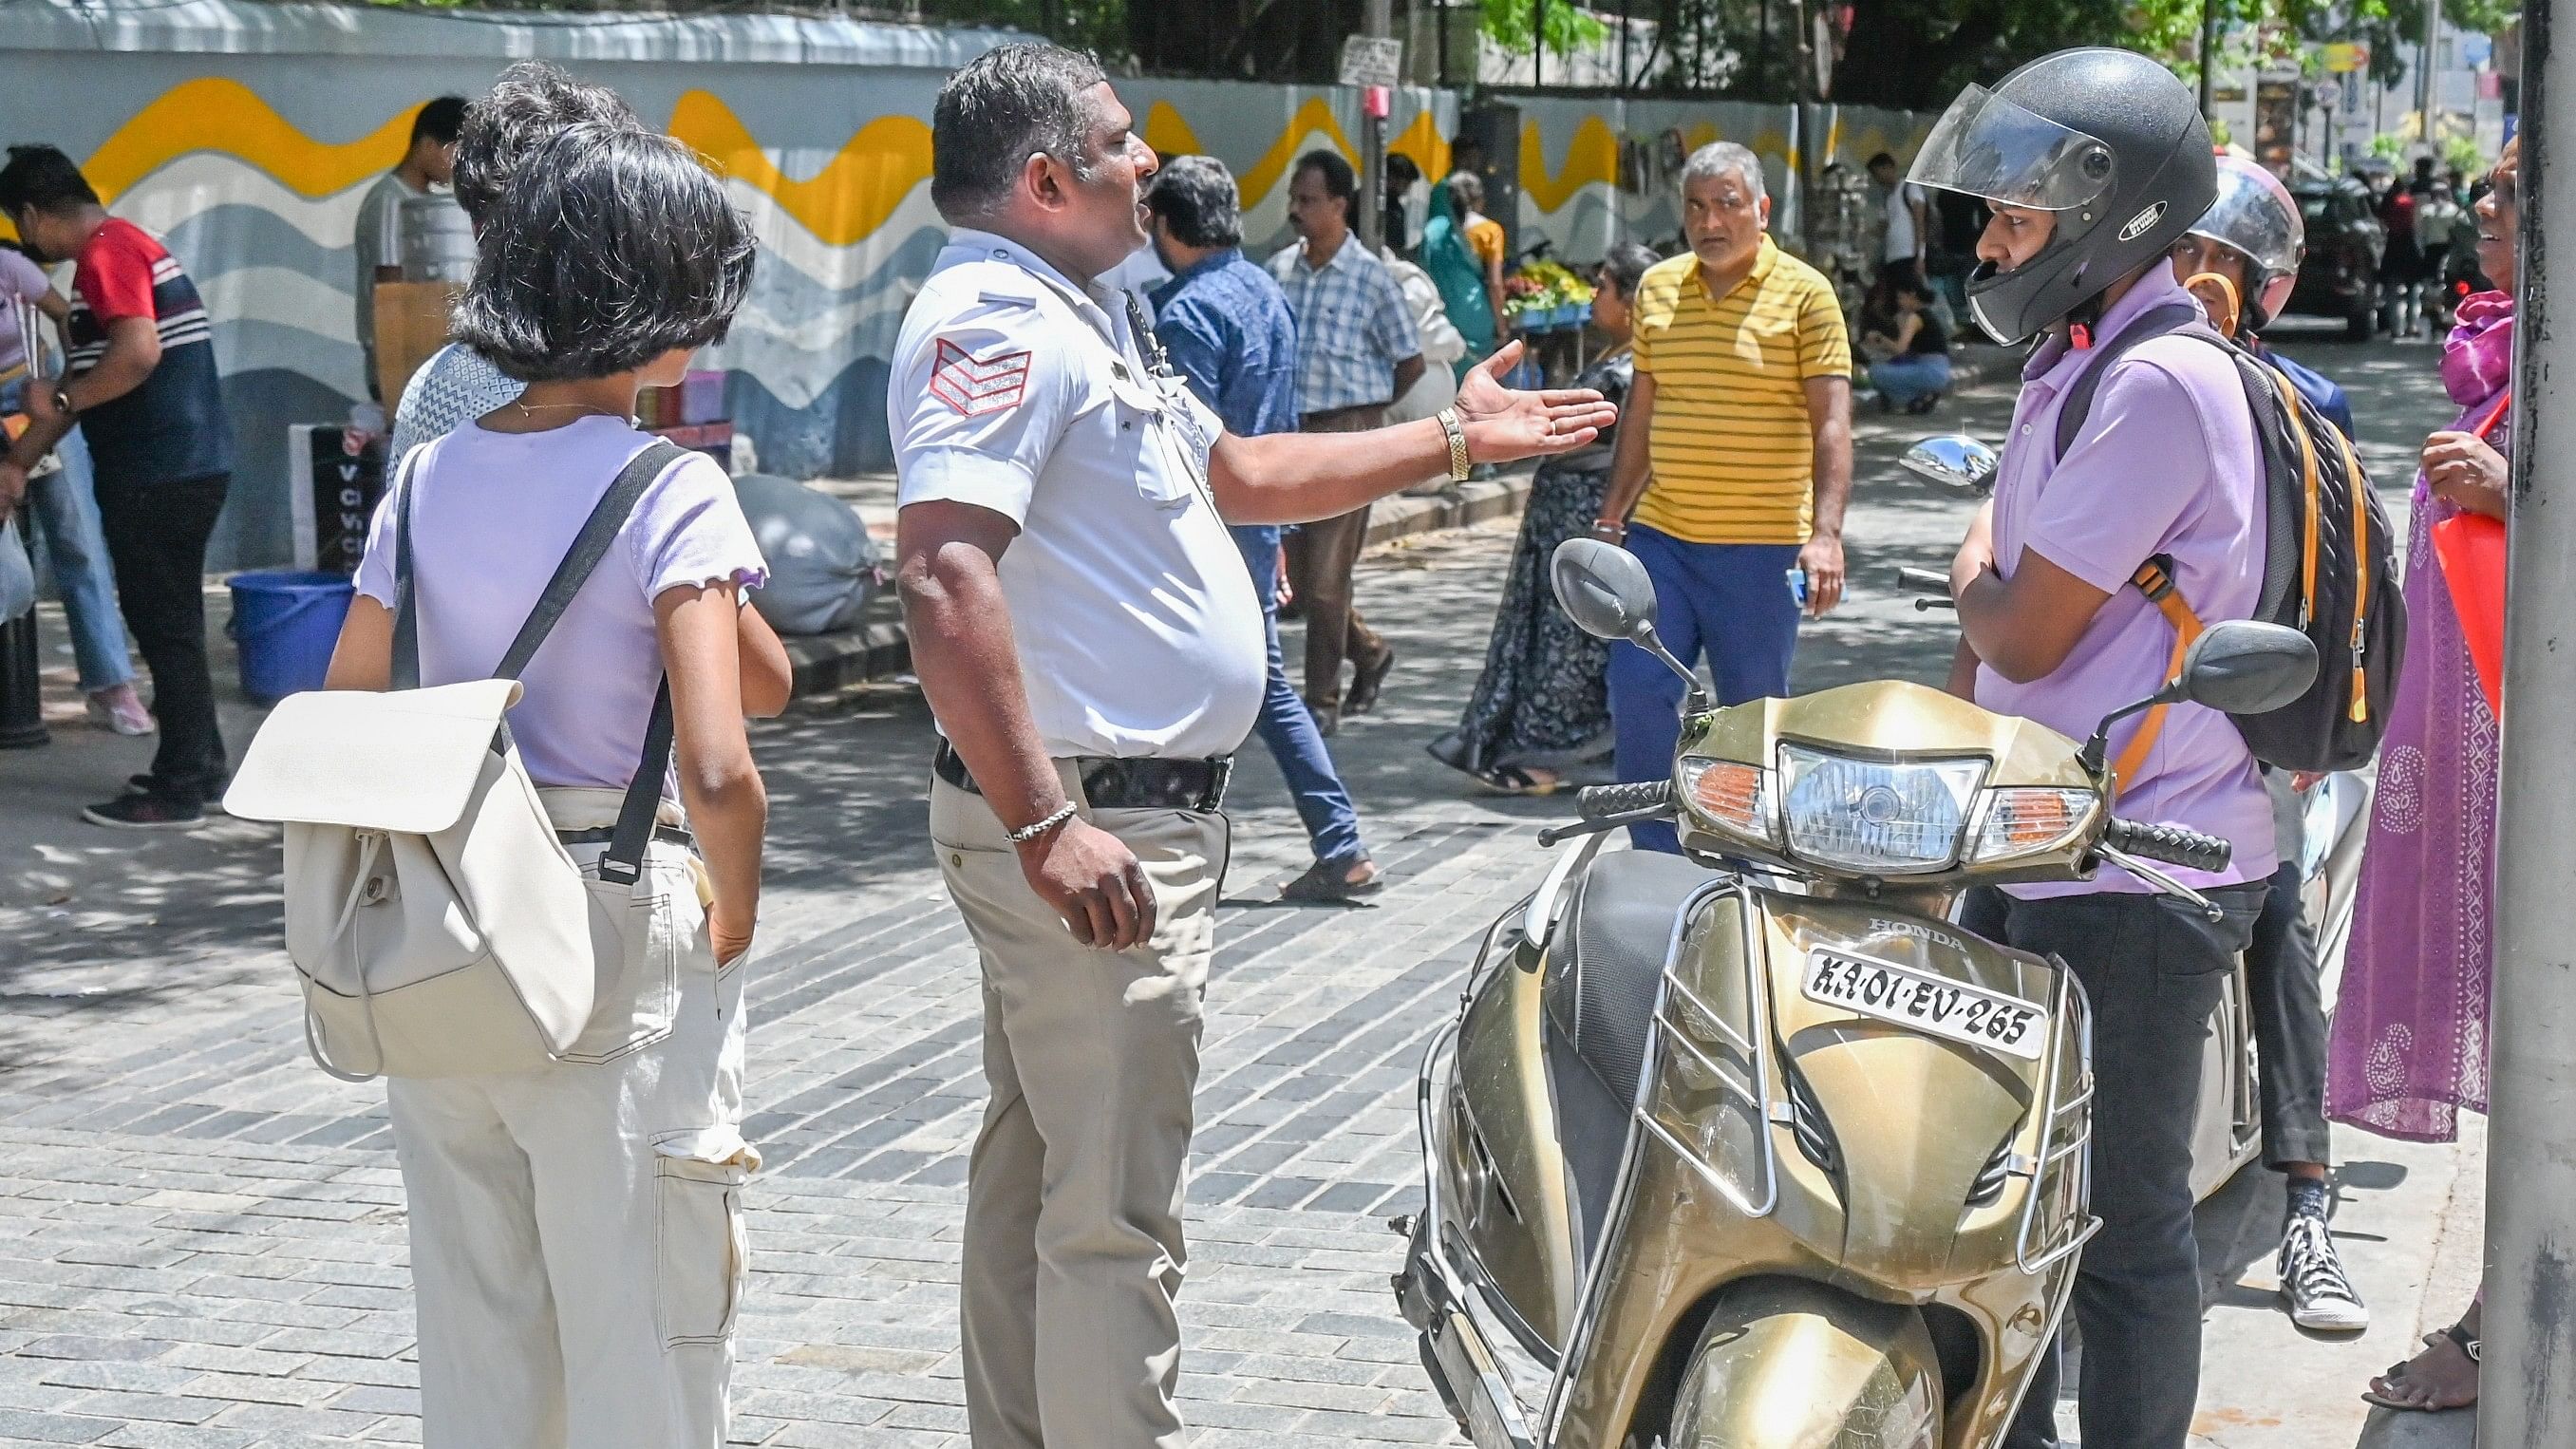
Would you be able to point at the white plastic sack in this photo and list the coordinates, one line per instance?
(17, 575)
(822, 564)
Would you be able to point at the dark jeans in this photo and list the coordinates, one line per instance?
(1332, 822)
(2155, 969)
(2289, 1027)
(156, 539)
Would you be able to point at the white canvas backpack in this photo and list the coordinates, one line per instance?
(436, 922)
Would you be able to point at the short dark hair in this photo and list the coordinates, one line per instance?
(1400, 170)
(44, 178)
(530, 103)
(1198, 197)
(1881, 159)
(1626, 265)
(999, 109)
(610, 248)
(1340, 181)
(439, 121)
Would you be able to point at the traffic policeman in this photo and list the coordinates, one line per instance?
(1091, 645)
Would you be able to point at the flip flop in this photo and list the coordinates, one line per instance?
(2453, 1335)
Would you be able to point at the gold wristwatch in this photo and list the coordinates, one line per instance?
(1457, 431)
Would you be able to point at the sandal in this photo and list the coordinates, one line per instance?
(1513, 780)
(2383, 1389)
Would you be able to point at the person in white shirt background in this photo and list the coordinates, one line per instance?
(1908, 211)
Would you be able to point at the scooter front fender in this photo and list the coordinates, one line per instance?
(1790, 1363)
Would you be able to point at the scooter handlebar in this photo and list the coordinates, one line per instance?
(2171, 844)
(1600, 802)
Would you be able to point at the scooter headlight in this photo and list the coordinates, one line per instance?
(1729, 796)
(2028, 821)
(1883, 817)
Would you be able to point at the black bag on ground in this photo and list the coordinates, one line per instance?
(2330, 567)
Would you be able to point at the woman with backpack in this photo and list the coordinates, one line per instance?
(576, 1242)
(2408, 1051)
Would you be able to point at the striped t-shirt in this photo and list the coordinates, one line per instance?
(1732, 448)
(172, 425)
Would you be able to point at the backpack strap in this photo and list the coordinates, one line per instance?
(2154, 579)
(406, 661)
(2161, 322)
(624, 860)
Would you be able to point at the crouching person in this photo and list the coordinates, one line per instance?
(575, 1230)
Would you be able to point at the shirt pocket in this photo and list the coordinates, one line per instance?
(1150, 442)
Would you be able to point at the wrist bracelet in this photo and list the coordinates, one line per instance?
(1457, 434)
(1608, 529)
(1056, 817)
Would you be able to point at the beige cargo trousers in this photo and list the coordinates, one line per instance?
(1073, 1251)
(577, 1249)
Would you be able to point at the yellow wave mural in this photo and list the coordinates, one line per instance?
(1168, 134)
(1274, 163)
(1591, 159)
(1423, 142)
(214, 114)
(844, 202)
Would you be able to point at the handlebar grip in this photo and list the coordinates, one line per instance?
(1923, 579)
(2171, 844)
(1600, 802)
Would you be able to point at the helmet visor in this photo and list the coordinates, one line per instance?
(1988, 147)
(2260, 221)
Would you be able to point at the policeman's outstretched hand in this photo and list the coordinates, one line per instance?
(1504, 424)
(1092, 880)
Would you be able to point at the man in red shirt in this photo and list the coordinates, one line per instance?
(143, 384)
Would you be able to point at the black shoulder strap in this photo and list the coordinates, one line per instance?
(588, 548)
(406, 672)
(2163, 321)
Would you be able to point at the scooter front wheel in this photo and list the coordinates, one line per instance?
(1786, 1363)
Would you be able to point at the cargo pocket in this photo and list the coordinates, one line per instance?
(698, 1180)
(636, 949)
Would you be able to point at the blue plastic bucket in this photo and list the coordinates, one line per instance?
(285, 622)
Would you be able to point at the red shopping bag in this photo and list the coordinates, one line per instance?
(2471, 548)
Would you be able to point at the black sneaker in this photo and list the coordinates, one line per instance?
(144, 812)
(147, 784)
(2321, 1298)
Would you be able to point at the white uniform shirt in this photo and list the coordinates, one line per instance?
(1015, 390)
(1898, 201)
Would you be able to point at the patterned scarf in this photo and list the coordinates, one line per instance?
(2477, 358)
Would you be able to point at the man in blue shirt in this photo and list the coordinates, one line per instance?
(1227, 328)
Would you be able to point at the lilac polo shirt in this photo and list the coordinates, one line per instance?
(2166, 463)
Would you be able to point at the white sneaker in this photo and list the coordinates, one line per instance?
(121, 709)
(2321, 1298)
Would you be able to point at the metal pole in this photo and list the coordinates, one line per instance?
(1440, 17)
(2208, 51)
(2527, 1378)
(2424, 78)
(1378, 19)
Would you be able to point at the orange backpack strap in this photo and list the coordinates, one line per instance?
(2154, 581)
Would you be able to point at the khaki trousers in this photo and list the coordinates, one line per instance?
(1073, 1251)
(577, 1248)
(1321, 556)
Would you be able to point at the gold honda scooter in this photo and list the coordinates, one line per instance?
(1755, 1148)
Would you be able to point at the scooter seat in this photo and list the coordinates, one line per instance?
(1604, 972)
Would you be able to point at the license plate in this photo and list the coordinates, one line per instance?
(1927, 1003)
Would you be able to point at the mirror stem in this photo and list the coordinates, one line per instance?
(2097, 750)
(1695, 699)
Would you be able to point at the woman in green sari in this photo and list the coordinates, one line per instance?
(1460, 276)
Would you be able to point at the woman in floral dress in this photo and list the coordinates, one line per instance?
(1541, 706)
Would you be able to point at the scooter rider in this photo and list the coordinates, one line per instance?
(2251, 238)
(2095, 162)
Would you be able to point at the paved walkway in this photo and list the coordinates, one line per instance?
(201, 1237)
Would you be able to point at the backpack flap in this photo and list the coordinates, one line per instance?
(406, 761)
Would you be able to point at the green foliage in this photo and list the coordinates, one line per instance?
(2388, 146)
(1567, 27)
(2461, 154)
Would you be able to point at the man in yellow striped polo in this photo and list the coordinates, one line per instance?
(1734, 455)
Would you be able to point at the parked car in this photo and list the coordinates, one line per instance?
(2339, 276)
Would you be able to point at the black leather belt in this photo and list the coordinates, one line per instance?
(1123, 784)
(667, 834)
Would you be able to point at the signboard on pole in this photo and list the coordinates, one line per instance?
(2343, 58)
(1372, 60)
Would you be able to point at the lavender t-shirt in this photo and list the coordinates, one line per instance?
(2166, 463)
(20, 279)
(493, 514)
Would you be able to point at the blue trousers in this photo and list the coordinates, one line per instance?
(1901, 380)
(74, 550)
(1332, 821)
(1727, 601)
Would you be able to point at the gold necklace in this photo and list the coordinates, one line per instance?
(530, 410)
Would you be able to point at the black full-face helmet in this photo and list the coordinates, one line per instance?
(2108, 140)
